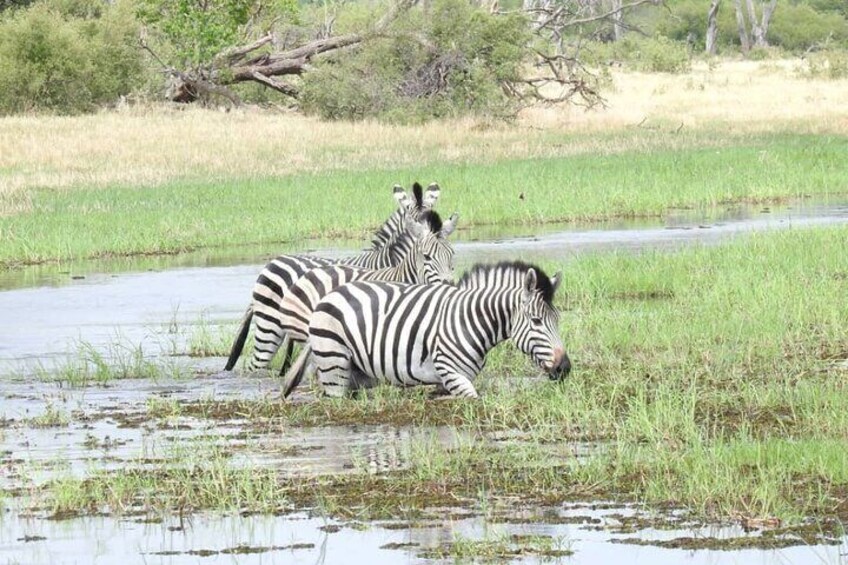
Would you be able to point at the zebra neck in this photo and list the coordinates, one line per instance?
(405, 271)
(487, 314)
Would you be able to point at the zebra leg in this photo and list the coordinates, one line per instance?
(297, 371)
(457, 384)
(334, 375)
(288, 358)
(267, 341)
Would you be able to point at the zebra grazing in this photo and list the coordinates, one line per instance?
(428, 257)
(279, 274)
(408, 335)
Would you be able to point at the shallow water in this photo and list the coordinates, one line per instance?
(46, 311)
(300, 539)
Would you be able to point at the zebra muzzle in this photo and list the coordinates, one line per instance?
(561, 366)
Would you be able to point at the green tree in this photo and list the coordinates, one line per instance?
(53, 61)
(198, 30)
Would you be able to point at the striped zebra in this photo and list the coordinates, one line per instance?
(428, 258)
(279, 274)
(407, 335)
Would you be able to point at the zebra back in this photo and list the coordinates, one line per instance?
(417, 334)
(424, 255)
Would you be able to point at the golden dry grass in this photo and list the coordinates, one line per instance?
(148, 146)
(742, 96)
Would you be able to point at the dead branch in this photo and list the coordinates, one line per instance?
(243, 63)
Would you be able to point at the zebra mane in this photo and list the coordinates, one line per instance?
(507, 271)
(400, 246)
(431, 220)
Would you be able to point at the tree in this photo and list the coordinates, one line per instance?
(208, 64)
(758, 29)
(712, 27)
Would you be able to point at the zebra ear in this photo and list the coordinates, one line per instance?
(401, 197)
(431, 196)
(529, 284)
(449, 226)
(555, 280)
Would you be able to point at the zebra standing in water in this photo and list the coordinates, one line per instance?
(279, 274)
(428, 258)
(408, 335)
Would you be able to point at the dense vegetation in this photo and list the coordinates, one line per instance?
(73, 56)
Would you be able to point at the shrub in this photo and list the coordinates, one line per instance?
(832, 64)
(797, 28)
(662, 55)
(686, 20)
(658, 55)
(452, 62)
(49, 61)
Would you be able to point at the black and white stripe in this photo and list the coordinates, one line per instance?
(363, 333)
(281, 272)
(429, 258)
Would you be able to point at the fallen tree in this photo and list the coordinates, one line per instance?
(551, 49)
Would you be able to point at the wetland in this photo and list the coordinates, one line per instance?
(704, 423)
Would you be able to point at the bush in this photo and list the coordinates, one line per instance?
(659, 55)
(50, 61)
(662, 55)
(797, 28)
(794, 27)
(450, 63)
(831, 64)
(686, 20)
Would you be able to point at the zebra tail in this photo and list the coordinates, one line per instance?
(238, 344)
(298, 369)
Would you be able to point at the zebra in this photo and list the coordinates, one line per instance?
(408, 335)
(428, 258)
(278, 275)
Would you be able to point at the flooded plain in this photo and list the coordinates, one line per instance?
(50, 430)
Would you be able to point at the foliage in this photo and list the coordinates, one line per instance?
(797, 28)
(794, 27)
(451, 62)
(832, 64)
(658, 55)
(196, 31)
(67, 57)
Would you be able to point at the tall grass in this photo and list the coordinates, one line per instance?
(181, 216)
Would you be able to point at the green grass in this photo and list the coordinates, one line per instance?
(90, 365)
(500, 548)
(197, 482)
(180, 216)
(712, 378)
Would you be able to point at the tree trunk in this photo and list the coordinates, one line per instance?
(768, 11)
(617, 23)
(743, 28)
(712, 27)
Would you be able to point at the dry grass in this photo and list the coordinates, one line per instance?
(148, 146)
(743, 96)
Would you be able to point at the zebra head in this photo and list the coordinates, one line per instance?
(535, 328)
(434, 255)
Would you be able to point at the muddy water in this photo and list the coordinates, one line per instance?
(47, 431)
